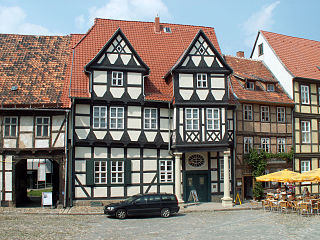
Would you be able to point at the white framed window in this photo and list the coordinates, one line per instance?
(202, 80)
(270, 87)
(305, 166)
(166, 171)
(281, 145)
(192, 118)
(222, 169)
(99, 117)
(247, 112)
(281, 114)
(305, 131)
(100, 172)
(117, 79)
(304, 92)
(116, 117)
(265, 114)
(250, 85)
(213, 119)
(265, 144)
(42, 126)
(247, 144)
(117, 171)
(150, 118)
(10, 126)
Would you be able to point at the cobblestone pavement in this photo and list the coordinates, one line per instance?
(245, 224)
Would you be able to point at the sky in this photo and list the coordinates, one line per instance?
(236, 22)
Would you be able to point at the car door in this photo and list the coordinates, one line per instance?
(138, 207)
(154, 204)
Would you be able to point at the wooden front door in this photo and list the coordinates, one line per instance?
(198, 182)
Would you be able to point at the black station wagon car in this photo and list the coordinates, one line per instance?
(163, 204)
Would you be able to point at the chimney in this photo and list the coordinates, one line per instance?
(157, 24)
(240, 54)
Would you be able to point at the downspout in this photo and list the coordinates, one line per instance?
(72, 143)
(67, 158)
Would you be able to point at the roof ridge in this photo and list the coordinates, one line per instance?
(33, 35)
(263, 31)
(86, 34)
(244, 58)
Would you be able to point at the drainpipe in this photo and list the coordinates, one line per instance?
(71, 150)
(66, 136)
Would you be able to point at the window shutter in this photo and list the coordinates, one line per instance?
(127, 171)
(90, 172)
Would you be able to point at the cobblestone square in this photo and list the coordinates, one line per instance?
(245, 224)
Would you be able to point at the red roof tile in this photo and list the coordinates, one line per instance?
(257, 71)
(300, 56)
(160, 51)
(36, 65)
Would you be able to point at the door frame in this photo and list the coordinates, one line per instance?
(200, 172)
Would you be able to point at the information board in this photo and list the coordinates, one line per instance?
(193, 196)
(46, 199)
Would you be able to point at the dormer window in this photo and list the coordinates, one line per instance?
(167, 29)
(250, 85)
(202, 80)
(270, 87)
(260, 48)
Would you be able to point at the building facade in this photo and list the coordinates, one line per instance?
(295, 62)
(152, 113)
(263, 119)
(33, 112)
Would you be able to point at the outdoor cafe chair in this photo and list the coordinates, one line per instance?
(296, 207)
(304, 208)
(283, 206)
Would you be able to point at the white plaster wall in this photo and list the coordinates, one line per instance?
(271, 60)
(8, 163)
(9, 143)
(133, 153)
(166, 188)
(8, 181)
(134, 78)
(134, 111)
(186, 94)
(134, 135)
(100, 152)
(134, 92)
(214, 187)
(80, 165)
(165, 136)
(79, 193)
(57, 121)
(135, 165)
(202, 94)
(100, 134)
(149, 153)
(8, 196)
(83, 108)
(214, 175)
(134, 123)
(1, 157)
(41, 143)
(186, 80)
(117, 192)
(26, 124)
(82, 152)
(153, 189)
(150, 136)
(135, 177)
(60, 140)
(164, 112)
(82, 121)
(149, 165)
(99, 90)
(117, 92)
(148, 177)
(116, 135)
(100, 192)
(218, 94)
(217, 82)
(165, 154)
(117, 153)
(82, 133)
(99, 77)
(82, 178)
(133, 190)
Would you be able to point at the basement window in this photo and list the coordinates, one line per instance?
(167, 29)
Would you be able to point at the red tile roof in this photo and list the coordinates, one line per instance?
(36, 67)
(254, 70)
(160, 51)
(300, 56)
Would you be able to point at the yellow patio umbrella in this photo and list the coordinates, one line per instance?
(281, 176)
(310, 176)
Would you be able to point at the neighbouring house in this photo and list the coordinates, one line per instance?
(33, 113)
(295, 62)
(150, 112)
(263, 118)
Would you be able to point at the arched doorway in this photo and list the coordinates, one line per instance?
(32, 177)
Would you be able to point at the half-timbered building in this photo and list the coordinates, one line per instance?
(33, 112)
(150, 113)
(263, 118)
(296, 64)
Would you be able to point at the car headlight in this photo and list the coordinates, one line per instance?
(110, 208)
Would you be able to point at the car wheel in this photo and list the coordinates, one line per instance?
(165, 212)
(121, 214)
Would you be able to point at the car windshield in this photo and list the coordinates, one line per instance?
(130, 199)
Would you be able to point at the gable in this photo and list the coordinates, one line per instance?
(118, 53)
(202, 54)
